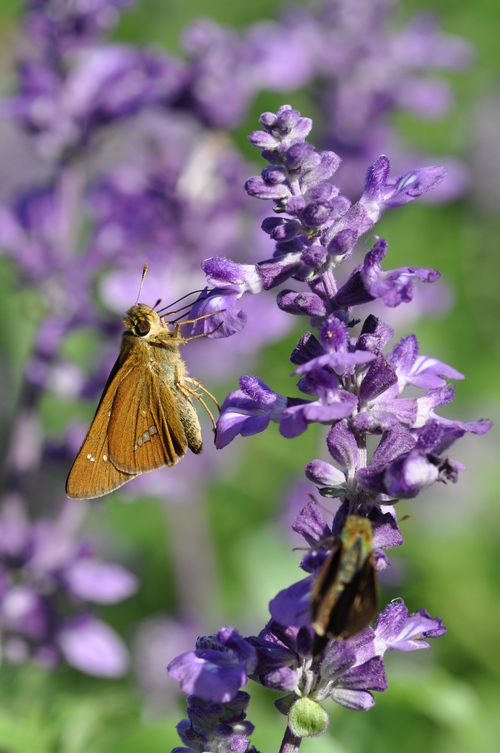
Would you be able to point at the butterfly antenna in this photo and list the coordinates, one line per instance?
(180, 311)
(181, 299)
(145, 269)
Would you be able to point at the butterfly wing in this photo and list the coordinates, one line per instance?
(324, 594)
(364, 603)
(92, 473)
(145, 431)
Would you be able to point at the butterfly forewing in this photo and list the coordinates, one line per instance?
(92, 473)
(145, 432)
(323, 597)
(356, 604)
(344, 597)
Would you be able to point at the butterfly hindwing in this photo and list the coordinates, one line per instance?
(145, 432)
(356, 603)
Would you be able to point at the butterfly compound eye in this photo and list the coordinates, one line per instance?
(142, 327)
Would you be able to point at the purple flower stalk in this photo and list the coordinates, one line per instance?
(353, 381)
(79, 225)
(48, 582)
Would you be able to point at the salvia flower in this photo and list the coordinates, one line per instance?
(217, 669)
(354, 383)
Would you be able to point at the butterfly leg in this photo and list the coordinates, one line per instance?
(184, 387)
(200, 386)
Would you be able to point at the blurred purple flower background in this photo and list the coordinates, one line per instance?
(125, 153)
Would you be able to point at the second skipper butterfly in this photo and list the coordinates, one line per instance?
(345, 594)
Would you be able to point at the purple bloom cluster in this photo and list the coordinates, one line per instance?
(353, 382)
(47, 579)
(356, 387)
(348, 56)
(168, 191)
(279, 658)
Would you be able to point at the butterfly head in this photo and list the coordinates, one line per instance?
(142, 321)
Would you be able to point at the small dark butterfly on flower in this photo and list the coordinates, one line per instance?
(344, 597)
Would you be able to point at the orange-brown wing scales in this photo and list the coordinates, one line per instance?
(321, 604)
(364, 604)
(144, 433)
(92, 473)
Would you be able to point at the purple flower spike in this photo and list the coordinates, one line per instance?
(248, 411)
(174, 199)
(47, 580)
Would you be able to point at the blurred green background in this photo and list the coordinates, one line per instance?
(443, 700)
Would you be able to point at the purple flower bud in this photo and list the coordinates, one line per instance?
(262, 189)
(324, 474)
(308, 304)
(342, 445)
(300, 156)
(374, 335)
(307, 348)
(281, 229)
